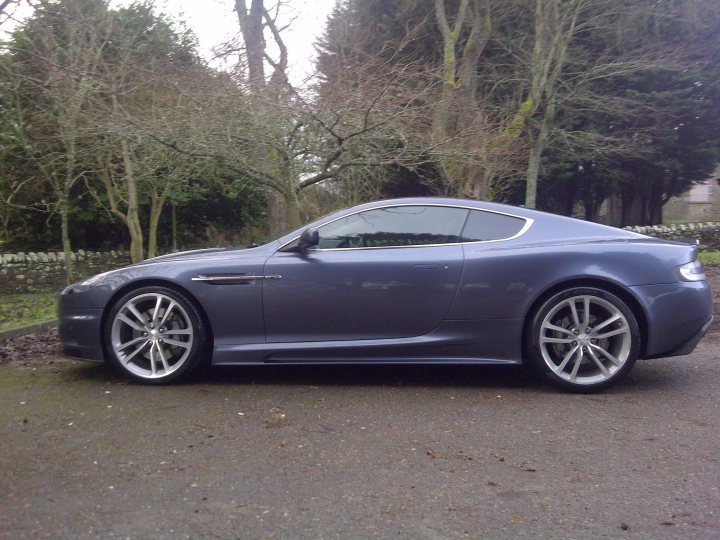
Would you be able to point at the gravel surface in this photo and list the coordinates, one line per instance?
(356, 452)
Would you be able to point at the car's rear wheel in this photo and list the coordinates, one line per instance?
(154, 335)
(583, 339)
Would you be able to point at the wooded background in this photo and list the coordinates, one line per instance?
(114, 131)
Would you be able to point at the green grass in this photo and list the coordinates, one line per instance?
(20, 309)
(710, 257)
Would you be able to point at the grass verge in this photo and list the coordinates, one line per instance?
(710, 257)
(20, 309)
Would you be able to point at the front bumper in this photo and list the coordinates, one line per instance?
(80, 329)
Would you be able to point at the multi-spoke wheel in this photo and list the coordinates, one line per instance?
(154, 335)
(584, 339)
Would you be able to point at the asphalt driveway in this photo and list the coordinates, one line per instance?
(338, 452)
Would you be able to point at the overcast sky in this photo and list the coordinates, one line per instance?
(215, 22)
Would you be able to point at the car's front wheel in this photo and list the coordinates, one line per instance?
(154, 335)
(583, 339)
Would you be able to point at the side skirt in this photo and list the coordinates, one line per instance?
(496, 341)
(391, 360)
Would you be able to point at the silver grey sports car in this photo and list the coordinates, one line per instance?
(422, 280)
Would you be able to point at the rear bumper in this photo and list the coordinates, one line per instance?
(678, 315)
(689, 345)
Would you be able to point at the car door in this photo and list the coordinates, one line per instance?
(389, 272)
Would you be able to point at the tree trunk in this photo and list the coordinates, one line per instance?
(569, 197)
(590, 210)
(533, 172)
(283, 211)
(292, 205)
(136, 236)
(156, 208)
(64, 200)
(251, 26)
(174, 227)
(655, 205)
(276, 213)
(445, 112)
(554, 29)
(282, 203)
(481, 178)
(536, 152)
(133, 210)
(65, 234)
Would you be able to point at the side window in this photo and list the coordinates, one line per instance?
(395, 226)
(483, 226)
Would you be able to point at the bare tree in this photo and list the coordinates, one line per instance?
(466, 113)
(7, 10)
(283, 206)
(555, 26)
(557, 74)
(50, 76)
(142, 81)
(370, 121)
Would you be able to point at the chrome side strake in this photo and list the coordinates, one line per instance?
(236, 277)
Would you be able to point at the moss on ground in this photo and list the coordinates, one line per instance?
(710, 257)
(20, 309)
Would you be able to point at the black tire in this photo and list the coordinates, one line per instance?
(573, 359)
(166, 346)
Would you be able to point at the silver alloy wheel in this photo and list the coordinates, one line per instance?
(585, 339)
(152, 335)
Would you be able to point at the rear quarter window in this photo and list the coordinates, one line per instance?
(482, 226)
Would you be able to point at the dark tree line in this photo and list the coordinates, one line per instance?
(113, 130)
(561, 104)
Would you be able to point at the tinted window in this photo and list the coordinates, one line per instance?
(489, 226)
(395, 226)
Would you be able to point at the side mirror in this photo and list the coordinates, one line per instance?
(308, 238)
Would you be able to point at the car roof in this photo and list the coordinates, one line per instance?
(545, 224)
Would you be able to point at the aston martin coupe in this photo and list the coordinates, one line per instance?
(416, 281)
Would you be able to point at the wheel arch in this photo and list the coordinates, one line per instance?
(138, 284)
(621, 292)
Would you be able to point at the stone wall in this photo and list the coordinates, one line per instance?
(707, 233)
(45, 272)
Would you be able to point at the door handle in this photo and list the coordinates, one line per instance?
(430, 267)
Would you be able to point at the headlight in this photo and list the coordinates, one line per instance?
(692, 271)
(94, 280)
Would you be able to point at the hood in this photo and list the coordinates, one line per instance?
(204, 254)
